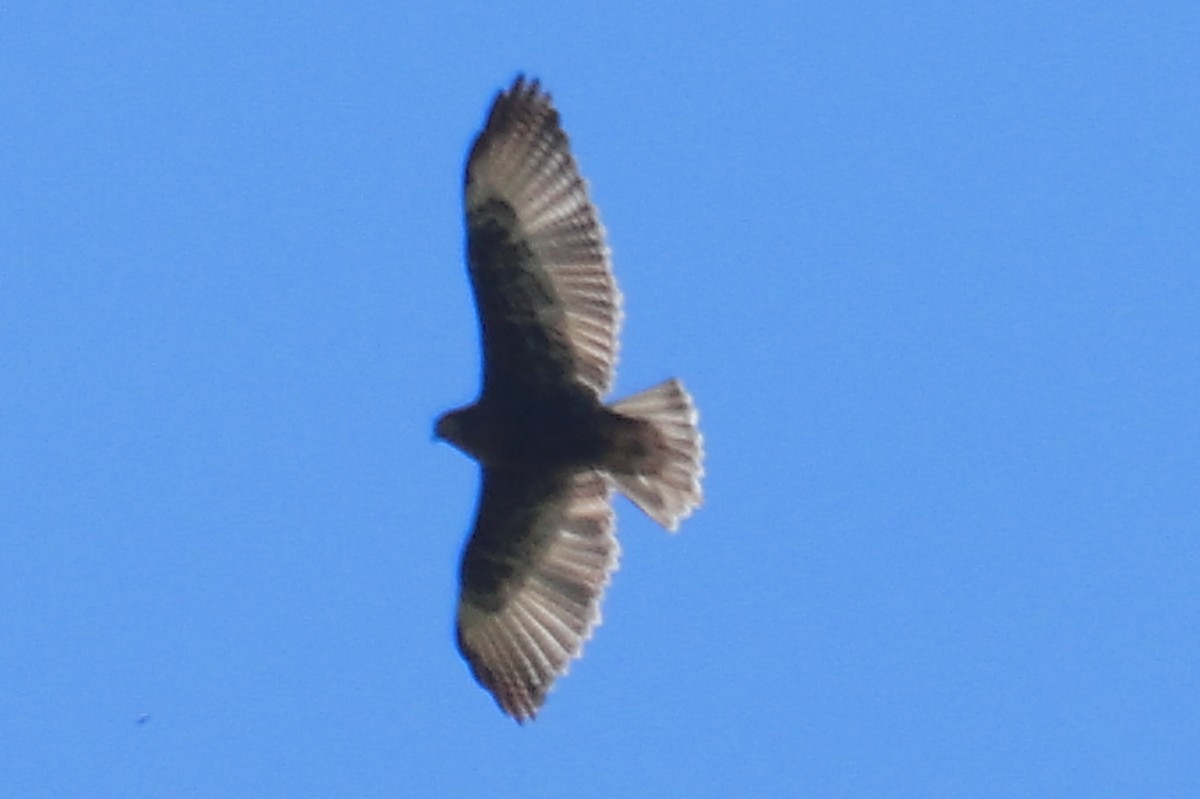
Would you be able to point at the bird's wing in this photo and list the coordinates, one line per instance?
(533, 574)
(549, 308)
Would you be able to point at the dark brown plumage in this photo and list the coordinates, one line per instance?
(543, 547)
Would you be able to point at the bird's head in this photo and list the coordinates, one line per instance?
(460, 428)
(448, 427)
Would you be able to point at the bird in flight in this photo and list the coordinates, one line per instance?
(543, 547)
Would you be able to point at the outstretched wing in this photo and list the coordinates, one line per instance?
(533, 574)
(549, 307)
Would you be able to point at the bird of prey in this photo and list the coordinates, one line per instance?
(543, 546)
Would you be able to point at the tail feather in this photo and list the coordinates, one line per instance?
(668, 487)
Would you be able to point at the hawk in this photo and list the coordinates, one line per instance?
(543, 546)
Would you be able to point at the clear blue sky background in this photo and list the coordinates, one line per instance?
(930, 270)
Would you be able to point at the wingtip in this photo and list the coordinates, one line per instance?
(524, 85)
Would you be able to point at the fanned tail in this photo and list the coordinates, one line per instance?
(666, 485)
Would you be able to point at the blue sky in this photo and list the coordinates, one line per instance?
(930, 271)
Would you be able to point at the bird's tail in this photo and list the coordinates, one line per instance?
(666, 483)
